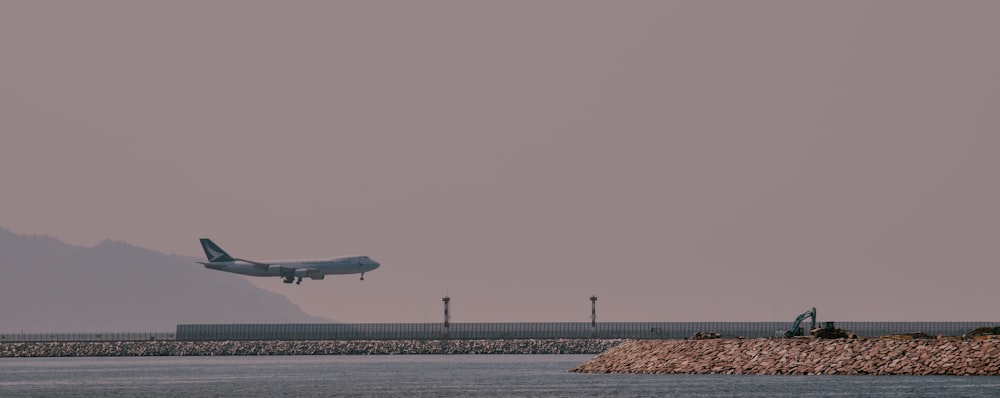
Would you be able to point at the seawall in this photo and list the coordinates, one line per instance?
(318, 347)
(801, 357)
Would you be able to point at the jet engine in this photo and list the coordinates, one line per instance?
(309, 273)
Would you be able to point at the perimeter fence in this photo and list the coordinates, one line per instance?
(109, 336)
(543, 330)
(490, 331)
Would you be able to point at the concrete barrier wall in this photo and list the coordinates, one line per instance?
(497, 330)
(542, 330)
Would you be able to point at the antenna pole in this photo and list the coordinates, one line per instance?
(447, 314)
(593, 316)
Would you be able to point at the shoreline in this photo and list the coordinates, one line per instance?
(314, 347)
(874, 356)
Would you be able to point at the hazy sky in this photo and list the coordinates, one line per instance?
(685, 161)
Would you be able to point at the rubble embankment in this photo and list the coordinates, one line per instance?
(875, 356)
(319, 347)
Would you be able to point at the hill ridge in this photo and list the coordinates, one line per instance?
(52, 286)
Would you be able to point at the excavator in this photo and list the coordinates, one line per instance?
(828, 331)
(797, 325)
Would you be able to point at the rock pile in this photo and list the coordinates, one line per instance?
(801, 357)
(705, 336)
(322, 347)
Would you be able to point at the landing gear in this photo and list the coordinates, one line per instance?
(289, 279)
(362, 276)
(299, 282)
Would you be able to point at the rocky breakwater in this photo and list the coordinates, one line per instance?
(319, 347)
(801, 357)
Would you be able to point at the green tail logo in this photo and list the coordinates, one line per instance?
(214, 252)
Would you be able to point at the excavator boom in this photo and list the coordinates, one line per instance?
(796, 329)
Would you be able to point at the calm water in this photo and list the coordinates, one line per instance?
(426, 376)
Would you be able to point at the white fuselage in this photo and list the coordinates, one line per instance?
(314, 269)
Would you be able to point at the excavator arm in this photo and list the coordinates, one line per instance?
(796, 329)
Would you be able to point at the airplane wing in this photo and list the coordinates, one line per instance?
(255, 264)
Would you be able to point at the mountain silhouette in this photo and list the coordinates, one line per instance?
(50, 286)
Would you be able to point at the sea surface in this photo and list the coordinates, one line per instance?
(429, 376)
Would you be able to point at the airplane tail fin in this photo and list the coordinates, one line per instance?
(214, 252)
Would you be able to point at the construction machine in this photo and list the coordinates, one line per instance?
(983, 333)
(830, 331)
(796, 329)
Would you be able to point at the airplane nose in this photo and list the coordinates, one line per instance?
(368, 262)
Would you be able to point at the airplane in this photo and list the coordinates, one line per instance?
(290, 270)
